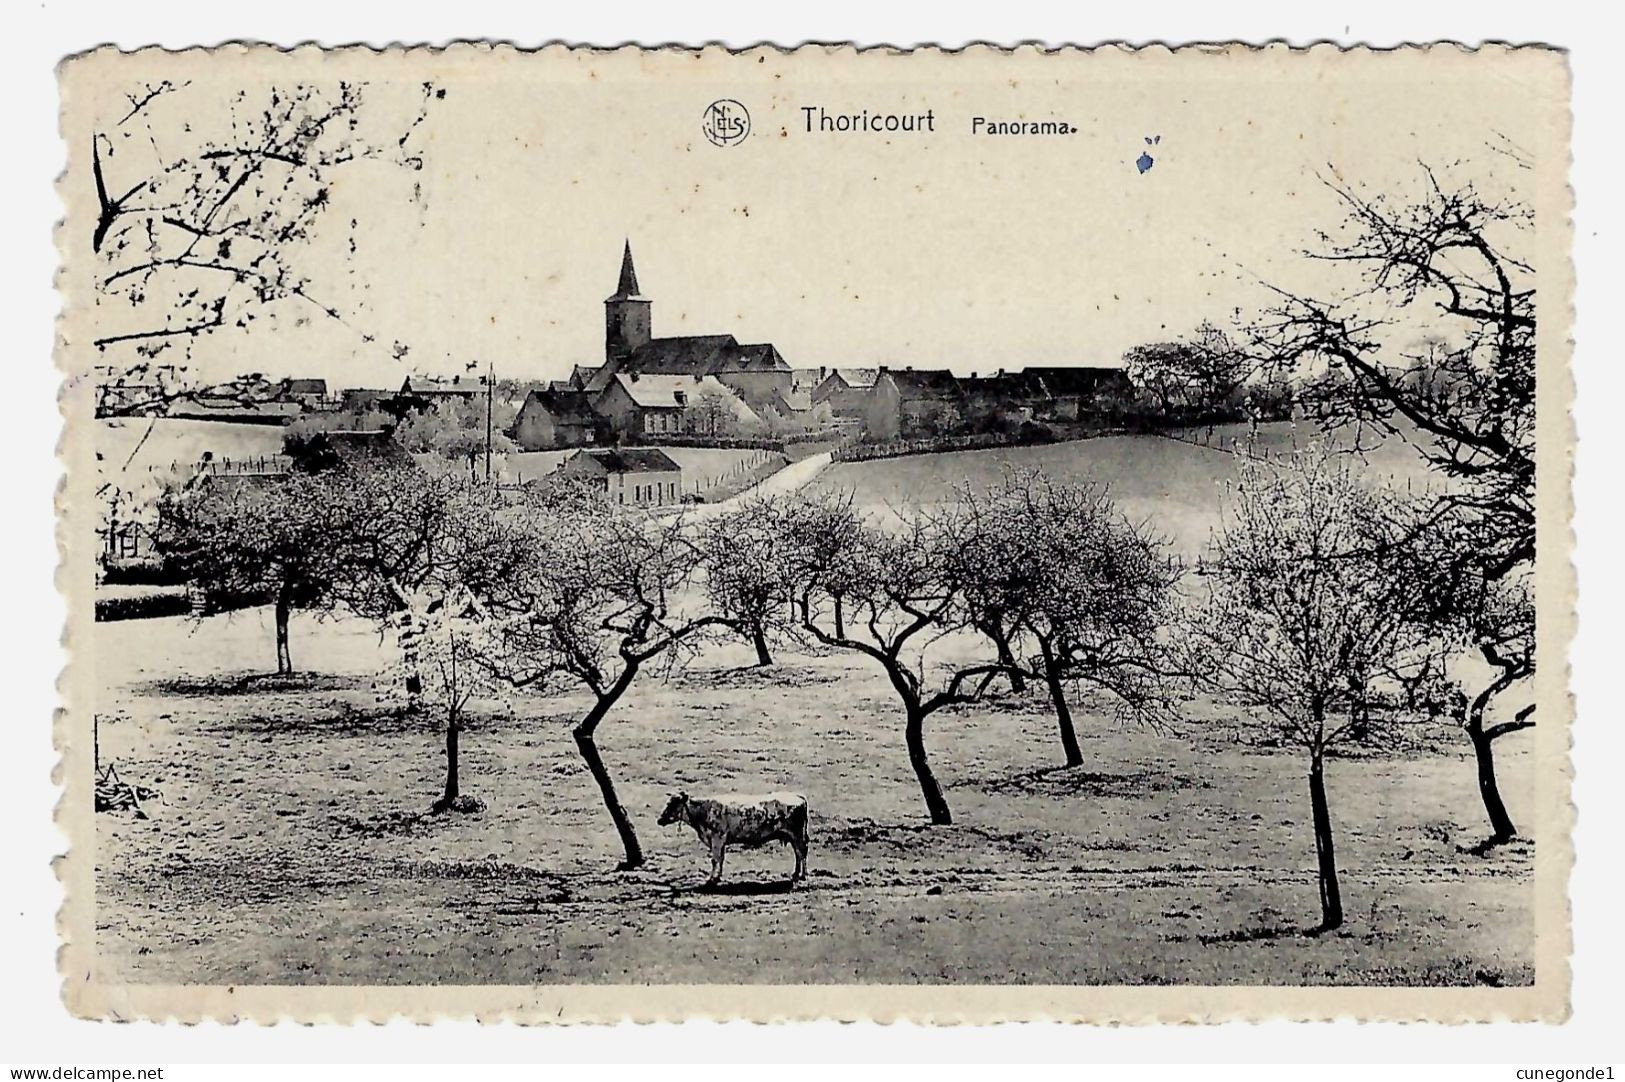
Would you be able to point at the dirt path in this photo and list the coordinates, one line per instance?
(782, 483)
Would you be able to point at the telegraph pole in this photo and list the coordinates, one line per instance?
(490, 390)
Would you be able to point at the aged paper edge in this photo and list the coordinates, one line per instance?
(1547, 1000)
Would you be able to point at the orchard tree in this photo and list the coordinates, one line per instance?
(449, 641)
(1307, 595)
(209, 216)
(605, 592)
(1058, 566)
(902, 595)
(459, 430)
(1199, 374)
(1452, 264)
(285, 537)
(749, 571)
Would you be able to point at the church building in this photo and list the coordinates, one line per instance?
(755, 372)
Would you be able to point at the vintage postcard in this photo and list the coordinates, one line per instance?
(581, 534)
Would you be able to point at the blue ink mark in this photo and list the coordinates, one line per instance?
(1145, 160)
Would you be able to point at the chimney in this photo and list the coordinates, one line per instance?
(1001, 372)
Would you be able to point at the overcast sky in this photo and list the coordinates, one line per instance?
(934, 249)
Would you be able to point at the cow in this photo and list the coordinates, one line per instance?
(748, 821)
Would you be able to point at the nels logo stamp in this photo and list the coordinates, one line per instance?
(726, 122)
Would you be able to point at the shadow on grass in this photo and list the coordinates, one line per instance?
(1066, 781)
(742, 889)
(224, 685)
(1260, 935)
(778, 675)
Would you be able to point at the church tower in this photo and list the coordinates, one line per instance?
(626, 314)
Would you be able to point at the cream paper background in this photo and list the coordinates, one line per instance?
(1382, 108)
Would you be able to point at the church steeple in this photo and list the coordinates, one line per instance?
(629, 276)
(626, 314)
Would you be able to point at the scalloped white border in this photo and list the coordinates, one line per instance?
(1546, 1000)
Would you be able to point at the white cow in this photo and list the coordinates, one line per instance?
(748, 821)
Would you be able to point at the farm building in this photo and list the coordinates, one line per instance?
(646, 476)
(914, 401)
(637, 406)
(433, 389)
(555, 418)
(310, 394)
(846, 390)
(1074, 392)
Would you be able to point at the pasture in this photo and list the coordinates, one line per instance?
(291, 844)
(1175, 485)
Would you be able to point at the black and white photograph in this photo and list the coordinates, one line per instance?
(981, 535)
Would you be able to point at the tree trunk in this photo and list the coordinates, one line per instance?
(1063, 712)
(1001, 639)
(1488, 789)
(583, 734)
(759, 639)
(284, 608)
(1331, 898)
(934, 802)
(840, 618)
(454, 726)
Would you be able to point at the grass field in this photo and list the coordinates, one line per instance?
(1175, 485)
(291, 844)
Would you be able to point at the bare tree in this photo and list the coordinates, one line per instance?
(249, 538)
(902, 596)
(1438, 349)
(1057, 565)
(750, 571)
(605, 593)
(1306, 598)
(205, 213)
(1197, 375)
(448, 645)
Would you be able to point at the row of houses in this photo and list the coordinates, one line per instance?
(652, 388)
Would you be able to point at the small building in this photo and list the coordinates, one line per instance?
(433, 389)
(645, 476)
(309, 394)
(908, 402)
(846, 390)
(1075, 392)
(638, 406)
(555, 418)
(1004, 397)
(581, 376)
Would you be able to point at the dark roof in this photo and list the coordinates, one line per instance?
(628, 285)
(304, 386)
(1080, 380)
(756, 357)
(623, 460)
(855, 378)
(1023, 386)
(567, 405)
(932, 383)
(692, 355)
(431, 385)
